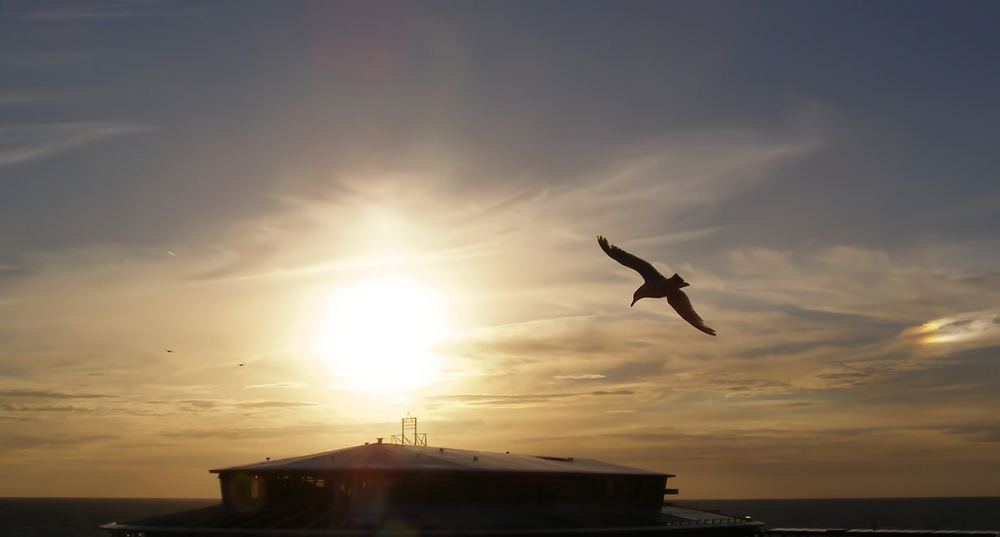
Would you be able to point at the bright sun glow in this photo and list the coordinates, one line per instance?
(380, 334)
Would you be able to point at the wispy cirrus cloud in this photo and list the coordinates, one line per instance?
(982, 432)
(276, 404)
(198, 405)
(10, 97)
(579, 376)
(50, 394)
(105, 10)
(45, 60)
(61, 440)
(522, 400)
(43, 408)
(274, 385)
(22, 143)
(968, 329)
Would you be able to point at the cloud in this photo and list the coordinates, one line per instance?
(197, 405)
(521, 400)
(430, 215)
(579, 376)
(631, 371)
(49, 394)
(980, 432)
(700, 168)
(46, 59)
(978, 328)
(25, 96)
(99, 11)
(275, 385)
(228, 433)
(898, 286)
(18, 441)
(43, 408)
(276, 404)
(844, 375)
(22, 143)
(749, 387)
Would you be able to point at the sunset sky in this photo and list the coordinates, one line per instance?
(391, 207)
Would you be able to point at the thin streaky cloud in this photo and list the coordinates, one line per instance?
(673, 237)
(522, 400)
(22, 143)
(51, 394)
(103, 11)
(32, 60)
(16, 442)
(277, 404)
(43, 408)
(275, 385)
(30, 96)
(98, 11)
(231, 271)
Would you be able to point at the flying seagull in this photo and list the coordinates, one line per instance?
(656, 285)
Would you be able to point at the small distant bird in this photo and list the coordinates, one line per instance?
(656, 285)
(169, 350)
(241, 365)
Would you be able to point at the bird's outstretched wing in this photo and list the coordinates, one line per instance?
(643, 267)
(680, 302)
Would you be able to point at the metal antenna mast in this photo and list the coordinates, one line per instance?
(409, 425)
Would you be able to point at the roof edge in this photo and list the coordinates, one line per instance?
(639, 472)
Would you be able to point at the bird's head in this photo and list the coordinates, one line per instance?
(637, 296)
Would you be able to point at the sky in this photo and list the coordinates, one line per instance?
(237, 230)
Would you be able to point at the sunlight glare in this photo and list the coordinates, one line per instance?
(380, 334)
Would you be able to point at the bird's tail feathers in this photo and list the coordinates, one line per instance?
(676, 279)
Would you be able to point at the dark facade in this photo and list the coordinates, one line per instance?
(638, 498)
(376, 488)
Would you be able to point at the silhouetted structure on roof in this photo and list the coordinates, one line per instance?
(412, 439)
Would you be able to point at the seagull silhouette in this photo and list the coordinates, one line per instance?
(656, 285)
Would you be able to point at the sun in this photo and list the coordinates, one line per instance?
(380, 333)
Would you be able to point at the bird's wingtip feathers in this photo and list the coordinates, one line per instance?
(603, 242)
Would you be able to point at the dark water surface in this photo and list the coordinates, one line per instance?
(883, 513)
(79, 517)
(75, 517)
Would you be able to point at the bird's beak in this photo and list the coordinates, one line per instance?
(634, 300)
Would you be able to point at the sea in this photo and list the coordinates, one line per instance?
(80, 517)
